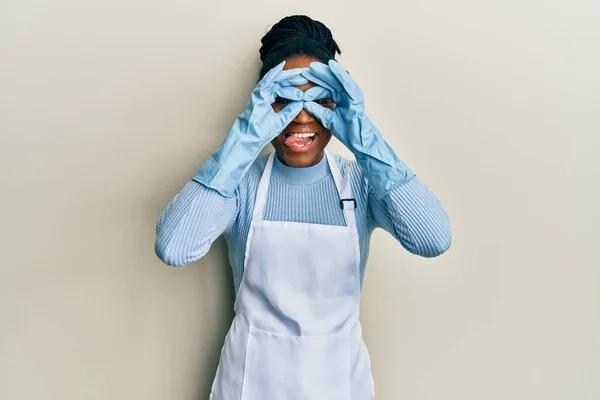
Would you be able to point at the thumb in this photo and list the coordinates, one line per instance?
(325, 115)
(287, 114)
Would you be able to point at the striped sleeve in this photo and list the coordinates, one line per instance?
(191, 222)
(415, 217)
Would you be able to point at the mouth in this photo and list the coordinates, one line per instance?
(300, 142)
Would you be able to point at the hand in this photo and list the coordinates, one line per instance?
(252, 131)
(259, 121)
(349, 123)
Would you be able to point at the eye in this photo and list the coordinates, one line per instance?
(324, 102)
(281, 101)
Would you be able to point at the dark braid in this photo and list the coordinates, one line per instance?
(296, 35)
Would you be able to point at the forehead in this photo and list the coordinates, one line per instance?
(300, 61)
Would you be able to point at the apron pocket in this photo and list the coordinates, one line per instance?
(280, 367)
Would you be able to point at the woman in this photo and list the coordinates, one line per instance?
(298, 223)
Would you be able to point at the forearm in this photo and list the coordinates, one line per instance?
(415, 217)
(191, 222)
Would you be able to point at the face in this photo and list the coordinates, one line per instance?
(302, 143)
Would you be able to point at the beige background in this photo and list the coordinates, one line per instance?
(109, 107)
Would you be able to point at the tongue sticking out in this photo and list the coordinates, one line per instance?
(291, 141)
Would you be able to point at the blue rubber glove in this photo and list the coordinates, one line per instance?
(251, 132)
(312, 94)
(349, 123)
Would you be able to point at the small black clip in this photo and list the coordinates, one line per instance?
(343, 200)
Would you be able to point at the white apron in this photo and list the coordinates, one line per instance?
(296, 333)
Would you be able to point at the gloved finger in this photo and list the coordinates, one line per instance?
(317, 93)
(289, 93)
(322, 75)
(289, 77)
(285, 116)
(324, 115)
(293, 81)
(350, 86)
(337, 96)
(270, 76)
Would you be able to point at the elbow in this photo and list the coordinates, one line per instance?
(167, 255)
(439, 246)
(172, 254)
(435, 236)
(435, 244)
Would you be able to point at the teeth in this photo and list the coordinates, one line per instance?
(302, 135)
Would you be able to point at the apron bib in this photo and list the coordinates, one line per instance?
(296, 333)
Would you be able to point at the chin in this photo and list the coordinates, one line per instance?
(299, 160)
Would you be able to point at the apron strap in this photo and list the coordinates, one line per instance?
(263, 189)
(347, 202)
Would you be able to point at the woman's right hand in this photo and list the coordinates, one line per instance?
(259, 120)
(251, 132)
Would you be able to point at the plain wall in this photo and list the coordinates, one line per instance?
(109, 107)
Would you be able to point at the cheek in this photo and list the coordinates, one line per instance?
(325, 138)
(326, 133)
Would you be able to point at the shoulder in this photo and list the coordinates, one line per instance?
(257, 168)
(251, 178)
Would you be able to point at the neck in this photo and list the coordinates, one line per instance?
(310, 163)
(300, 176)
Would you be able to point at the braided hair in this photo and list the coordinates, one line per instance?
(297, 35)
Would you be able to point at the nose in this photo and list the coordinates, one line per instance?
(304, 118)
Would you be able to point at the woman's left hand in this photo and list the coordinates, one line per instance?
(349, 123)
(347, 120)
